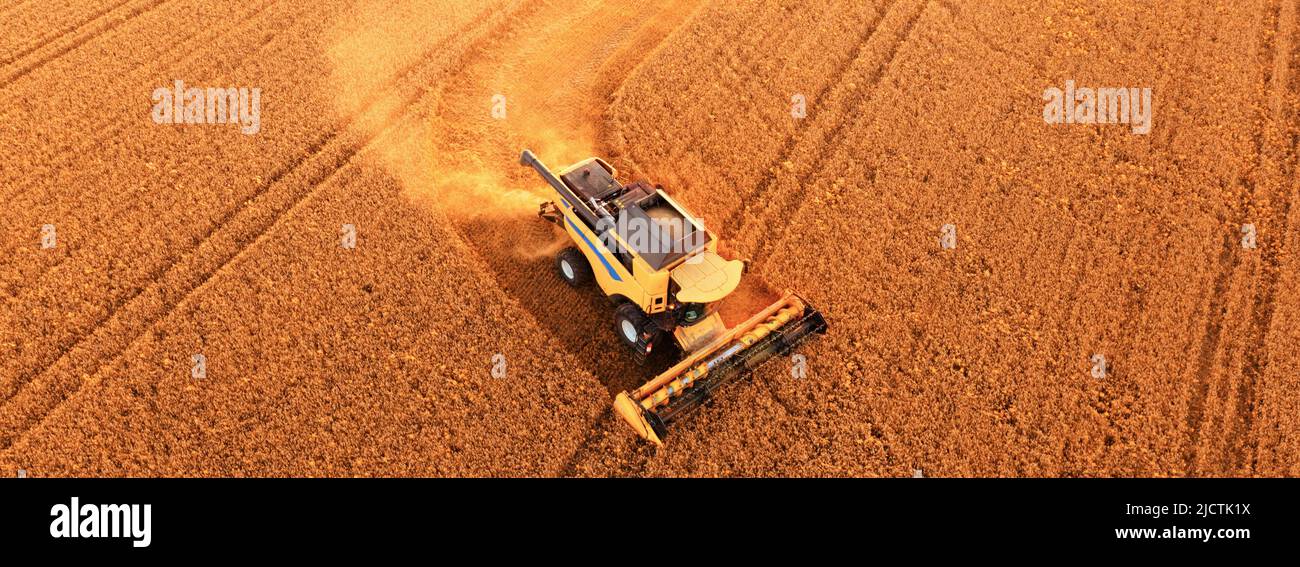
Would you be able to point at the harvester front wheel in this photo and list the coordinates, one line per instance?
(573, 267)
(636, 330)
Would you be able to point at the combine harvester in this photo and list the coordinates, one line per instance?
(662, 269)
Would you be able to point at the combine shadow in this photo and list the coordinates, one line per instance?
(520, 253)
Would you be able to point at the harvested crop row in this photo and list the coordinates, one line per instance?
(978, 362)
(112, 326)
(1074, 243)
(745, 108)
(101, 266)
(32, 25)
(391, 374)
(114, 109)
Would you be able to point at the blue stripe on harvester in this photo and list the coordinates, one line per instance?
(612, 273)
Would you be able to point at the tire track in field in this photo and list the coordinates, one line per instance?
(21, 197)
(1226, 260)
(81, 39)
(486, 28)
(1213, 354)
(13, 6)
(786, 206)
(960, 14)
(123, 199)
(158, 294)
(44, 39)
(235, 232)
(70, 150)
(1242, 445)
(737, 219)
(125, 207)
(165, 265)
(1209, 348)
(317, 146)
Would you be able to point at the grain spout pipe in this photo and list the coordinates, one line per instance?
(583, 210)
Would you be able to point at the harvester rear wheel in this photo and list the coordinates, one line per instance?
(636, 330)
(573, 267)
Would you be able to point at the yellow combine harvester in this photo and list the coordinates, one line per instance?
(662, 268)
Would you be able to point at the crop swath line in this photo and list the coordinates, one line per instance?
(959, 14)
(790, 205)
(111, 128)
(487, 27)
(1268, 150)
(173, 276)
(1228, 260)
(46, 38)
(1283, 80)
(70, 150)
(598, 429)
(82, 39)
(13, 6)
(737, 217)
(121, 197)
(1182, 77)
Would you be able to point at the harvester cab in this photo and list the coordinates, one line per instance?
(661, 267)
